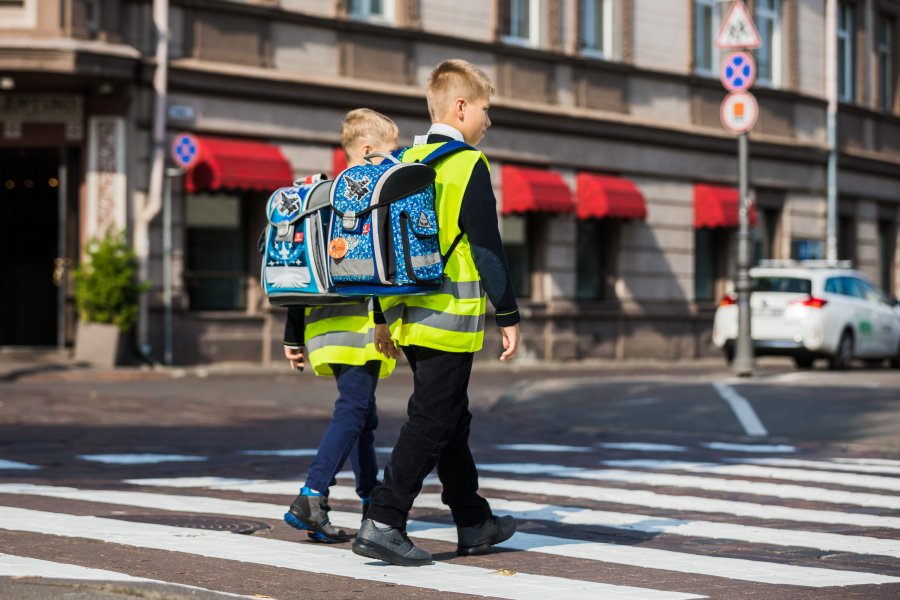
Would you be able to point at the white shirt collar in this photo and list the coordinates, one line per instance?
(440, 129)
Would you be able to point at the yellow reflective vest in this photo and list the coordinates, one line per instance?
(451, 319)
(343, 334)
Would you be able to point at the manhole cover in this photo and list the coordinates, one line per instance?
(243, 526)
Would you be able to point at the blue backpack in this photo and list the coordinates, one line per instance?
(383, 237)
(294, 267)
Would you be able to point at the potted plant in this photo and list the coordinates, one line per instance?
(107, 292)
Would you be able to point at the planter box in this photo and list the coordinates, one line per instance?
(102, 345)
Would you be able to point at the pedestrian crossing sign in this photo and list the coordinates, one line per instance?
(738, 30)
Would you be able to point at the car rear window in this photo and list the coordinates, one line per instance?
(787, 285)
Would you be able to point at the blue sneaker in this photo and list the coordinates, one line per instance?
(309, 512)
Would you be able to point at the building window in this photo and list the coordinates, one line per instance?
(765, 235)
(711, 252)
(706, 29)
(521, 22)
(371, 10)
(846, 238)
(595, 258)
(887, 246)
(769, 54)
(597, 28)
(884, 50)
(846, 53)
(519, 244)
(215, 274)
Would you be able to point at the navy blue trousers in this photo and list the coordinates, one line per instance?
(351, 432)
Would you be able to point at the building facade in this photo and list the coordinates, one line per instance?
(616, 182)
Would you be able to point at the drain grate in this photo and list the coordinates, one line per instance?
(242, 526)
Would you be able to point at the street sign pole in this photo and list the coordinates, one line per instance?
(743, 364)
(739, 112)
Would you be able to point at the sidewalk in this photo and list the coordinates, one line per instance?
(52, 364)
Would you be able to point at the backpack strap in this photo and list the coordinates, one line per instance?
(444, 150)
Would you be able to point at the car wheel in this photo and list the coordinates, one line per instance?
(804, 362)
(895, 360)
(843, 356)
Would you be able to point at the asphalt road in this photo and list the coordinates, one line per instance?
(629, 481)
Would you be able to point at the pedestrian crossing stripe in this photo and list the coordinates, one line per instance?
(23, 566)
(712, 484)
(818, 464)
(315, 558)
(844, 479)
(714, 566)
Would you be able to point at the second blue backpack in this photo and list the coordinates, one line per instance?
(383, 237)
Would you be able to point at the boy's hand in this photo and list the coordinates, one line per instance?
(296, 357)
(384, 343)
(510, 341)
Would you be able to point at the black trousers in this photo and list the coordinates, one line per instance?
(436, 433)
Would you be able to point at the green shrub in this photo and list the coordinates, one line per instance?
(107, 289)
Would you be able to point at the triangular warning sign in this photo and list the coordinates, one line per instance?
(738, 30)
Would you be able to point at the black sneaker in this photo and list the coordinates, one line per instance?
(310, 514)
(479, 538)
(392, 546)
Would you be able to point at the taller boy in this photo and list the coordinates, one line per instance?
(439, 333)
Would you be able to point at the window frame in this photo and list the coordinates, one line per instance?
(534, 24)
(776, 16)
(606, 47)
(603, 237)
(884, 55)
(846, 35)
(715, 24)
(366, 14)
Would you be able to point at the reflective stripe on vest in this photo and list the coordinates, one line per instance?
(451, 319)
(343, 334)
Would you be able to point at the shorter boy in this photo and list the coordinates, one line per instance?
(355, 360)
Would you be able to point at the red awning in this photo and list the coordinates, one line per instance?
(605, 196)
(338, 161)
(527, 189)
(237, 164)
(717, 206)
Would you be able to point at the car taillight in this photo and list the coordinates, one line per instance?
(728, 300)
(812, 302)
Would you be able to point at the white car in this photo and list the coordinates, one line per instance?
(810, 310)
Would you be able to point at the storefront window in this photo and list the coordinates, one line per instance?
(846, 235)
(519, 252)
(887, 243)
(215, 273)
(596, 252)
(711, 252)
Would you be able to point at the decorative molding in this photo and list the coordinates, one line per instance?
(554, 24)
(19, 109)
(793, 44)
(106, 179)
(627, 8)
(408, 14)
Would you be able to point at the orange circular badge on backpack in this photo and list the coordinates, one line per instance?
(337, 248)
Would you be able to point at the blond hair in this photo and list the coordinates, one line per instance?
(365, 124)
(452, 79)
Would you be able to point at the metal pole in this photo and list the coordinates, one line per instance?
(831, 92)
(167, 264)
(154, 196)
(743, 352)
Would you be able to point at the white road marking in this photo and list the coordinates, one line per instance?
(542, 448)
(17, 466)
(314, 558)
(21, 566)
(766, 448)
(823, 465)
(845, 479)
(713, 484)
(601, 494)
(642, 447)
(742, 410)
(745, 570)
(139, 459)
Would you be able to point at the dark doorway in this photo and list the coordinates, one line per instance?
(29, 244)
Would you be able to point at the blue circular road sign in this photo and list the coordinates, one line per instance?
(738, 71)
(185, 148)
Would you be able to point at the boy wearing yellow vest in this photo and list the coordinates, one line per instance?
(343, 341)
(440, 332)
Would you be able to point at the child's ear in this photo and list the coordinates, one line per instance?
(366, 149)
(459, 108)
